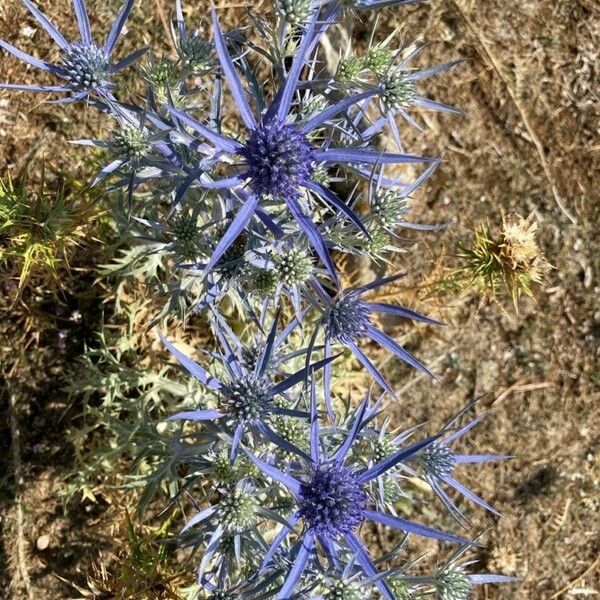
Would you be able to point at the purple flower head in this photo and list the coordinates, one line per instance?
(333, 502)
(279, 159)
(85, 67)
(347, 320)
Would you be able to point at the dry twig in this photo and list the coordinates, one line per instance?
(571, 583)
(520, 387)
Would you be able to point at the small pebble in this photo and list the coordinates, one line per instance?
(43, 542)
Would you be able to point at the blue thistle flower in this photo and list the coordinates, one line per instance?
(388, 206)
(85, 67)
(332, 502)
(373, 446)
(347, 320)
(246, 399)
(279, 160)
(285, 267)
(399, 94)
(195, 52)
(295, 12)
(229, 525)
(439, 461)
(453, 580)
(455, 583)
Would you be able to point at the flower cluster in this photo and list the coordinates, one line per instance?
(249, 206)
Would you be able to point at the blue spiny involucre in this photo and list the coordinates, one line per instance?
(438, 460)
(250, 194)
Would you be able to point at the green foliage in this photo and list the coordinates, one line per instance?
(123, 398)
(40, 229)
(144, 567)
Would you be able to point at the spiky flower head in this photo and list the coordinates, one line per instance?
(293, 266)
(86, 66)
(347, 319)
(400, 589)
(379, 59)
(278, 159)
(438, 460)
(129, 142)
(238, 510)
(187, 241)
(252, 353)
(321, 175)
(312, 104)
(452, 583)
(292, 430)
(520, 250)
(377, 242)
(397, 91)
(263, 281)
(340, 589)
(226, 474)
(392, 491)
(509, 258)
(295, 12)
(333, 501)
(223, 471)
(373, 448)
(246, 399)
(382, 447)
(504, 559)
(388, 207)
(162, 74)
(349, 69)
(221, 595)
(196, 53)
